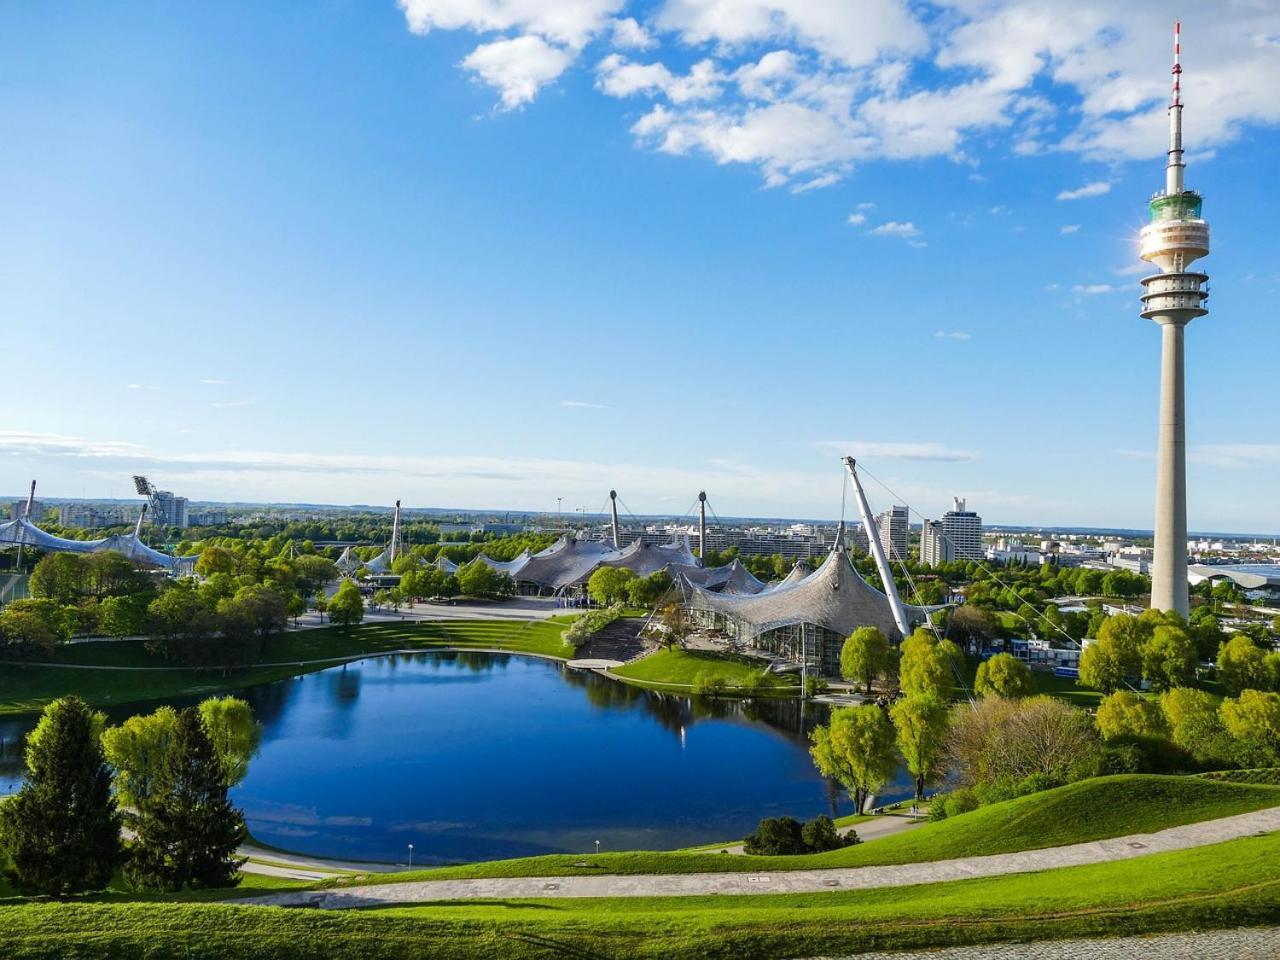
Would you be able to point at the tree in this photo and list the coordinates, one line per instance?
(264, 608)
(999, 739)
(346, 606)
(1003, 675)
(215, 559)
(314, 572)
(24, 632)
(1116, 654)
(1242, 665)
(971, 627)
(856, 749)
(1193, 721)
(921, 723)
(234, 732)
(922, 667)
(1169, 658)
(1253, 720)
(776, 836)
(61, 833)
(59, 577)
(865, 656)
(136, 749)
(645, 592)
(1128, 714)
(187, 831)
(123, 616)
(675, 623)
(478, 579)
(609, 585)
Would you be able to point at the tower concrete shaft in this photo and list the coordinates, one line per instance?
(613, 512)
(1176, 237)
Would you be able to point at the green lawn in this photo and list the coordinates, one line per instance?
(1230, 884)
(26, 688)
(1089, 810)
(678, 668)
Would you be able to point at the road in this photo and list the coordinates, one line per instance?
(796, 881)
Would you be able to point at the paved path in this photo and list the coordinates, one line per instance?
(793, 881)
(1246, 943)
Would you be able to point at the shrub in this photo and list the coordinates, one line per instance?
(954, 803)
(709, 685)
(782, 836)
(589, 624)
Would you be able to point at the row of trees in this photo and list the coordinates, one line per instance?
(164, 776)
(610, 585)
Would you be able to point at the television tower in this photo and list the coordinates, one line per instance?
(1176, 237)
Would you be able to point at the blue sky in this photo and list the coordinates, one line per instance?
(484, 253)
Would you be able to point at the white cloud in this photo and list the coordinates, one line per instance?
(953, 335)
(894, 450)
(893, 228)
(517, 68)
(857, 218)
(1089, 289)
(583, 404)
(212, 382)
(569, 22)
(809, 88)
(866, 205)
(1095, 189)
(1237, 455)
(628, 34)
(1068, 228)
(228, 404)
(618, 77)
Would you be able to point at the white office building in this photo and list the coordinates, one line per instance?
(894, 528)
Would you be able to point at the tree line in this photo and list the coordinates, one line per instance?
(164, 777)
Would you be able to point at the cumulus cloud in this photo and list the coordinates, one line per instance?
(1068, 228)
(857, 218)
(628, 34)
(806, 90)
(517, 68)
(894, 228)
(1095, 189)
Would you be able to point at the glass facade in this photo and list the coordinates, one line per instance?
(1180, 206)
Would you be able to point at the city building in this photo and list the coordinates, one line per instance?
(963, 530)
(170, 511)
(1176, 237)
(894, 527)
(935, 546)
(19, 509)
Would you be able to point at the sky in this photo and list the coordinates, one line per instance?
(491, 253)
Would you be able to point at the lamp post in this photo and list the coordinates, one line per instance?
(597, 847)
(411, 856)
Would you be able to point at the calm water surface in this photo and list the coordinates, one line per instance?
(472, 756)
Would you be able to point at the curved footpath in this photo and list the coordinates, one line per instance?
(793, 881)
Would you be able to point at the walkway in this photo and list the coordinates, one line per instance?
(795, 881)
(1243, 943)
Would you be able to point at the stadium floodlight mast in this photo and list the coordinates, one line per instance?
(1176, 237)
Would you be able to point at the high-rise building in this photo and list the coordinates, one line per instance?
(171, 511)
(19, 510)
(1176, 237)
(894, 528)
(964, 531)
(935, 547)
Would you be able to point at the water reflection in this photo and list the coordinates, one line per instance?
(476, 755)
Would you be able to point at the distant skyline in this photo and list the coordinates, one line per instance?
(477, 254)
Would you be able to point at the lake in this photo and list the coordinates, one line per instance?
(474, 756)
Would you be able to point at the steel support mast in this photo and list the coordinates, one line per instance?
(877, 551)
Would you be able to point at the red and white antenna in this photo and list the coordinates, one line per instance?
(1173, 174)
(1177, 63)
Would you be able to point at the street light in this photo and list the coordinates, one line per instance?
(411, 856)
(597, 846)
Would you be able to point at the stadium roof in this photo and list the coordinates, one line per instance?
(1251, 576)
(23, 531)
(834, 597)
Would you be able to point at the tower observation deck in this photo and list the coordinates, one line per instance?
(1176, 236)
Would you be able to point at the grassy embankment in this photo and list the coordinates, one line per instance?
(27, 688)
(676, 670)
(1229, 884)
(1094, 809)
